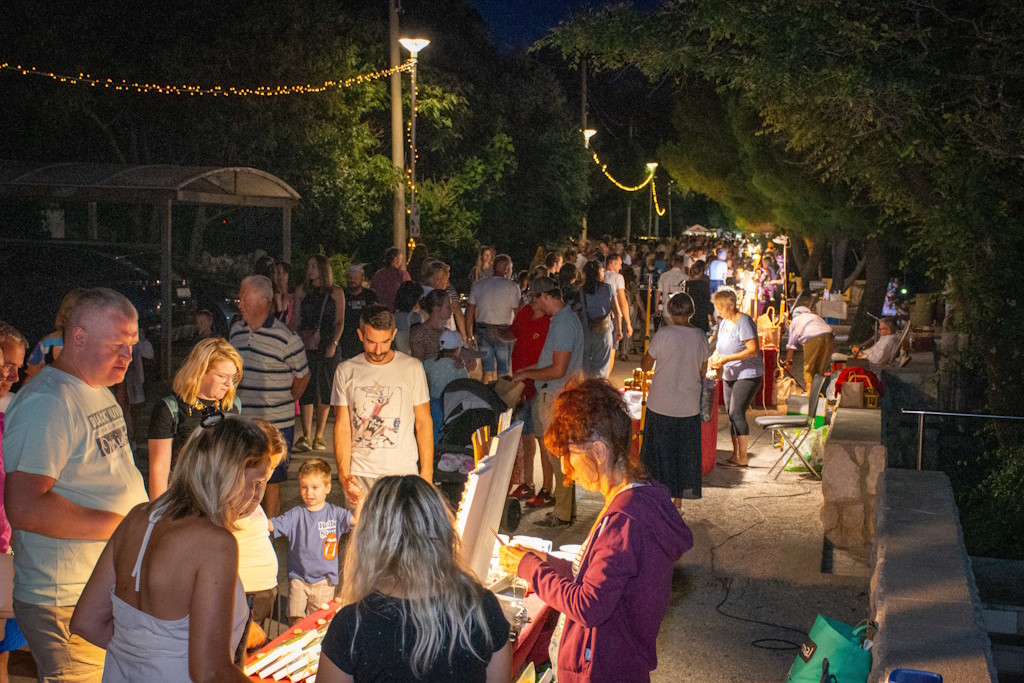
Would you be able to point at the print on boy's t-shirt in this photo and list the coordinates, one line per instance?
(376, 417)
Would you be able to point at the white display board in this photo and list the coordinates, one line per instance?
(483, 500)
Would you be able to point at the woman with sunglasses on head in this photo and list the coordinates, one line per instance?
(411, 611)
(614, 594)
(161, 610)
(206, 382)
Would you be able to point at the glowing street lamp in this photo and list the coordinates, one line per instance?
(587, 134)
(651, 166)
(414, 46)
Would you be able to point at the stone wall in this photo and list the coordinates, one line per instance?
(923, 594)
(854, 460)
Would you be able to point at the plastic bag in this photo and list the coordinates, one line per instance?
(840, 644)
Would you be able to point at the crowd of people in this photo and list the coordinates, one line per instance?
(107, 582)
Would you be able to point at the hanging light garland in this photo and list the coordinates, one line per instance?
(654, 191)
(627, 188)
(123, 85)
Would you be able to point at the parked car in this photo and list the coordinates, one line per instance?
(35, 276)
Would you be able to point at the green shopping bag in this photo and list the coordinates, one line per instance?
(840, 644)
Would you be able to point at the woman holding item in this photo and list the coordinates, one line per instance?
(321, 318)
(738, 354)
(411, 611)
(613, 596)
(161, 610)
(596, 305)
(671, 448)
(206, 381)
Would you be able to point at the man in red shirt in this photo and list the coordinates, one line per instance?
(388, 278)
(530, 328)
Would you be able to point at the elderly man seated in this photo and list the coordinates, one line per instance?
(884, 349)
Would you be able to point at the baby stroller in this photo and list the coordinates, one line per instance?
(466, 406)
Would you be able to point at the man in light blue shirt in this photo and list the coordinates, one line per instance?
(560, 359)
(717, 271)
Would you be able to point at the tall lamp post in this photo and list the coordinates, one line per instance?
(397, 135)
(651, 166)
(414, 46)
(587, 134)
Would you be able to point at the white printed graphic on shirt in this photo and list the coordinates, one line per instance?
(376, 417)
(111, 431)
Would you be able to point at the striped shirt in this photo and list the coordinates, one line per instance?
(271, 356)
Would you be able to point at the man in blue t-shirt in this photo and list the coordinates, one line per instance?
(560, 359)
(313, 532)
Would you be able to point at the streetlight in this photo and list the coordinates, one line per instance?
(587, 134)
(651, 166)
(414, 46)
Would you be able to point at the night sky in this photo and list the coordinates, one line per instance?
(517, 23)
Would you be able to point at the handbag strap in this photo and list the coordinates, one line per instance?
(327, 295)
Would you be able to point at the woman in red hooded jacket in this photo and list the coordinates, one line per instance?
(614, 595)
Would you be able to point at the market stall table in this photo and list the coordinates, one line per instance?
(530, 646)
(708, 430)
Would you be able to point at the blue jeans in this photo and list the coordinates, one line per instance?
(497, 354)
(437, 415)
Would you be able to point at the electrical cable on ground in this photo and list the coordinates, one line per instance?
(760, 643)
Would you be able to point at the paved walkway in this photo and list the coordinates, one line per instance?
(757, 555)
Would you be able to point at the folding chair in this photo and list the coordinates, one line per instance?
(789, 425)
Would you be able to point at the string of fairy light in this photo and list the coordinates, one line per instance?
(125, 85)
(632, 188)
(654, 192)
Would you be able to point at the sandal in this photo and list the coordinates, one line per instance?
(732, 463)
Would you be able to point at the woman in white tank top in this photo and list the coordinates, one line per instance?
(165, 600)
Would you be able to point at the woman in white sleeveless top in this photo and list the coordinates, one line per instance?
(165, 600)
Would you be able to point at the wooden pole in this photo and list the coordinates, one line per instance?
(397, 144)
(583, 121)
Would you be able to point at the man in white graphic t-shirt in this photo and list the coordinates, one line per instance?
(382, 422)
(71, 478)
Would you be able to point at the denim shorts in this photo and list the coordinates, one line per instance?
(497, 354)
(525, 413)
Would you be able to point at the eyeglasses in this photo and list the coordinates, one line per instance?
(10, 370)
(211, 415)
(226, 379)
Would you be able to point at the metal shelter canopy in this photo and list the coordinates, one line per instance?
(159, 184)
(153, 184)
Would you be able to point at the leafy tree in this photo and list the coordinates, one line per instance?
(541, 199)
(917, 106)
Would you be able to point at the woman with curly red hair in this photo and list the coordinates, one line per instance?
(613, 596)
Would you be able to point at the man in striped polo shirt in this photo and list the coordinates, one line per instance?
(274, 371)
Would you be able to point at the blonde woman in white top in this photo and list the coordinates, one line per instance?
(161, 610)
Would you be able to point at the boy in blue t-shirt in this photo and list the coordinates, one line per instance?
(312, 533)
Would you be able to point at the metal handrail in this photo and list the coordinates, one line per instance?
(920, 423)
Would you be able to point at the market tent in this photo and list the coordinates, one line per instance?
(160, 185)
(698, 229)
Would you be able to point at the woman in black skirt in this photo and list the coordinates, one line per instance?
(671, 447)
